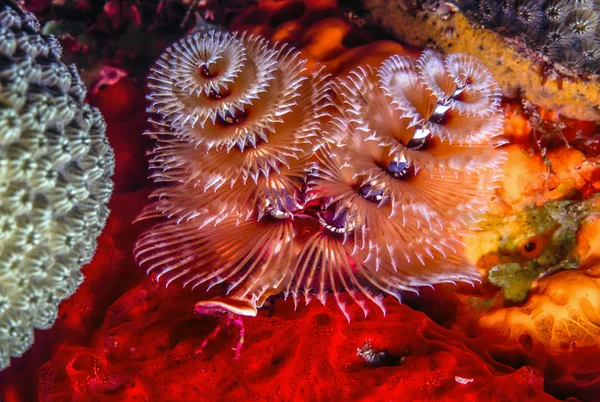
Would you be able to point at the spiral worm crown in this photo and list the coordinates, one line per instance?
(244, 147)
(282, 180)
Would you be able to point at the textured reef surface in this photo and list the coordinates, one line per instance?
(55, 168)
(529, 331)
(516, 40)
(566, 32)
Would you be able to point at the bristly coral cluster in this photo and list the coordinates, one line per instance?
(55, 168)
(278, 179)
(566, 31)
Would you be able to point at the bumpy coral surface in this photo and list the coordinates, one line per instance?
(567, 32)
(522, 67)
(273, 189)
(55, 168)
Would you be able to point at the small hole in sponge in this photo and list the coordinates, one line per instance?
(287, 12)
(509, 356)
(323, 319)
(526, 341)
(84, 361)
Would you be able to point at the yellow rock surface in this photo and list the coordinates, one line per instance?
(516, 69)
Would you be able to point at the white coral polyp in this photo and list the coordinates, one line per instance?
(55, 168)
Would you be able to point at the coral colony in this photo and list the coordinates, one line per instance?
(565, 31)
(55, 168)
(276, 178)
(544, 51)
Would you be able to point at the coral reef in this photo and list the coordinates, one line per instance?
(321, 32)
(122, 336)
(557, 330)
(521, 67)
(145, 351)
(127, 35)
(55, 168)
(566, 32)
(534, 242)
(270, 193)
